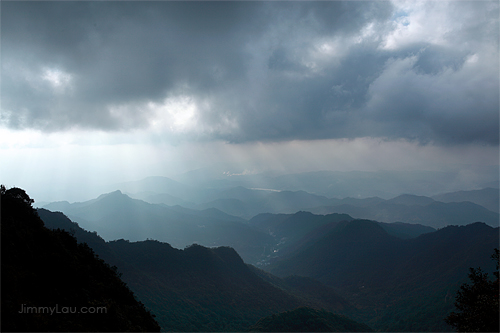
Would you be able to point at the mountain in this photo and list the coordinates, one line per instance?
(52, 283)
(411, 200)
(417, 210)
(244, 202)
(308, 320)
(486, 197)
(115, 215)
(199, 289)
(335, 184)
(405, 230)
(287, 229)
(312, 292)
(291, 231)
(390, 276)
(202, 289)
(160, 198)
(384, 184)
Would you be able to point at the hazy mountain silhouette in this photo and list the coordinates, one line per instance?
(52, 283)
(247, 203)
(405, 230)
(486, 197)
(395, 276)
(415, 209)
(161, 198)
(411, 200)
(115, 215)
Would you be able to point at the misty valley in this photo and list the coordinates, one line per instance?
(269, 254)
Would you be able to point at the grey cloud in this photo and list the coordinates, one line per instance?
(257, 63)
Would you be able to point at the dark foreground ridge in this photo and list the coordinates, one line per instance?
(308, 320)
(52, 283)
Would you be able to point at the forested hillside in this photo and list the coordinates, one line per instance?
(52, 283)
(392, 279)
(199, 288)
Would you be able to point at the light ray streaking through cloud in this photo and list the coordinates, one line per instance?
(167, 87)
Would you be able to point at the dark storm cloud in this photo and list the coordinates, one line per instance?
(258, 70)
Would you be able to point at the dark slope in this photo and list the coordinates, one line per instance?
(288, 229)
(48, 268)
(292, 231)
(201, 289)
(396, 277)
(313, 293)
(308, 320)
(405, 230)
(117, 216)
(350, 255)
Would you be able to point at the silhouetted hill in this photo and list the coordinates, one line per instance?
(115, 215)
(201, 289)
(380, 272)
(287, 229)
(247, 203)
(411, 200)
(52, 283)
(413, 209)
(291, 231)
(57, 220)
(308, 320)
(232, 206)
(405, 230)
(313, 293)
(161, 198)
(486, 197)
(365, 202)
(208, 212)
(384, 184)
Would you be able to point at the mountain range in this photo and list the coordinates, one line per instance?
(199, 288)
(229, 254)
(401, 280)
(347, 266)
(457, 208)
(248, 195)
(117, 216)
(413, 209)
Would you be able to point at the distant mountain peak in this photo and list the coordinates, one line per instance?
(114, 193)
(411, 199)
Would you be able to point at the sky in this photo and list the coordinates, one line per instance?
(95, 92)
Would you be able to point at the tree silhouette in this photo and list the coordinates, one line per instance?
(477, 303)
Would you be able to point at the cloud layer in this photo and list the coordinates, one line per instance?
(255, 71)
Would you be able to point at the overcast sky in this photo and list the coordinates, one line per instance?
(113, 91)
